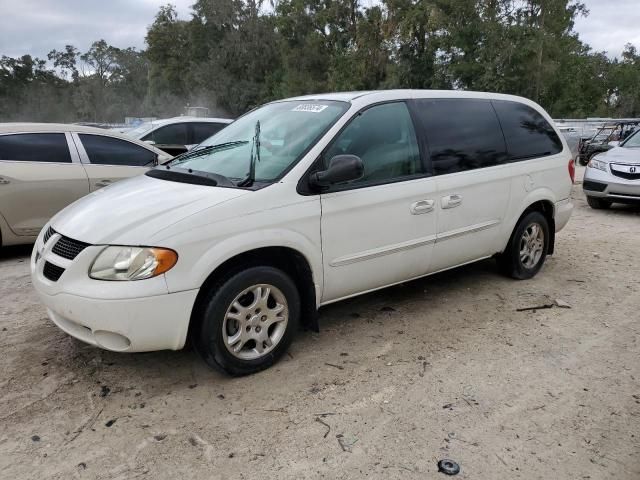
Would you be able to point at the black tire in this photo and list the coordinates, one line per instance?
(209, 338)
(582, 160)
(598, 203)
(510, 262)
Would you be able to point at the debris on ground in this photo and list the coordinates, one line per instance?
(448, 467)
(346, 443)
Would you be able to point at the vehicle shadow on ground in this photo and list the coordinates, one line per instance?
(179, 369)
(15, 252)
(620, 209)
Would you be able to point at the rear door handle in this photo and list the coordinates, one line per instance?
(4, 181)
(421, 206)
(451, 201)
(103, 183)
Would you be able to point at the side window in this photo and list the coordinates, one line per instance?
(35, 147)
(176, 134)
(527, 132)
(384, 138)
(201, 131)
(113, 151)
(463, 134)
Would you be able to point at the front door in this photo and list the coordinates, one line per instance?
(380, 229)
(38, 177)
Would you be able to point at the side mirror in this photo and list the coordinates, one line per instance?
(614, 143)
(342, 168)
(150, 142)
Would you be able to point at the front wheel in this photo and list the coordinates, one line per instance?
(249, 320)
(527, 249)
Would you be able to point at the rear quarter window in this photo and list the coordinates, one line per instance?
(526, 131)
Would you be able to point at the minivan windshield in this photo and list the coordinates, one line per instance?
(287, 130)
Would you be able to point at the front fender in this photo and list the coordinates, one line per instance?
(219, 252)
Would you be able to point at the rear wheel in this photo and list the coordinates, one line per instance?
(249, 320)
(528, 246)
(598, 203)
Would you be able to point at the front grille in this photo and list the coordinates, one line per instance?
(626, 175)
(52, 272)
(594, 186)
(68, 248)
(47, 235)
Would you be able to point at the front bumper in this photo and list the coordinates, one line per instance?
(125, 325)
(135, 316)
(611, 187)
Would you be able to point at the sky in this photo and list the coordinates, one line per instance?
(38, 26)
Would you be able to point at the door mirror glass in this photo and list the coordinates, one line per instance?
(342, 168)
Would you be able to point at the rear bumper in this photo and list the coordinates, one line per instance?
(563, 210)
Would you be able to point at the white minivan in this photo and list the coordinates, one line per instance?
(298, 204)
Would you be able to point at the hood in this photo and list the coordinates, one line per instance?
(621, 155)
(131, 211)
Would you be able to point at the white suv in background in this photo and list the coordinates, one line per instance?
(179, 134)
(298, 204)
(45, 166)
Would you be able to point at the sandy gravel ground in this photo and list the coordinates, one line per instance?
(444, 367)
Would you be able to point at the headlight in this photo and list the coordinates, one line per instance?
(599, 164)
(132, 263)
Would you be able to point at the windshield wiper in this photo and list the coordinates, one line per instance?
(255, 155)
(199, 152)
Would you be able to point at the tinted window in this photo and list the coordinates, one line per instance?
(527, 132)
(113, 151)
(171, 134)
(202, 131)
(384, 138)
(463, 134)
(35, 147)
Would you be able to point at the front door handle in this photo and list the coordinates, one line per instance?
(103, 183)
(421, 206)
(4, 181)
(451, 201)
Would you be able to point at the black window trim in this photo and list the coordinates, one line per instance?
(86, 160)
(75, 159)
(303, 187)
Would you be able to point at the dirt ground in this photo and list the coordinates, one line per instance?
(444, 367)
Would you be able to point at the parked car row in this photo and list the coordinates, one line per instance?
(605, 138)
(300, 203)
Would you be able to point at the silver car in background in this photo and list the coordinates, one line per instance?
(46, 166)
(614, 176)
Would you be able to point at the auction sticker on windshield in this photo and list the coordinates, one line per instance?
(309, 107)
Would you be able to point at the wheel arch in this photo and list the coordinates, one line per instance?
(287, 259)
(544, 205)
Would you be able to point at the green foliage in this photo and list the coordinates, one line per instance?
(232, 55)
